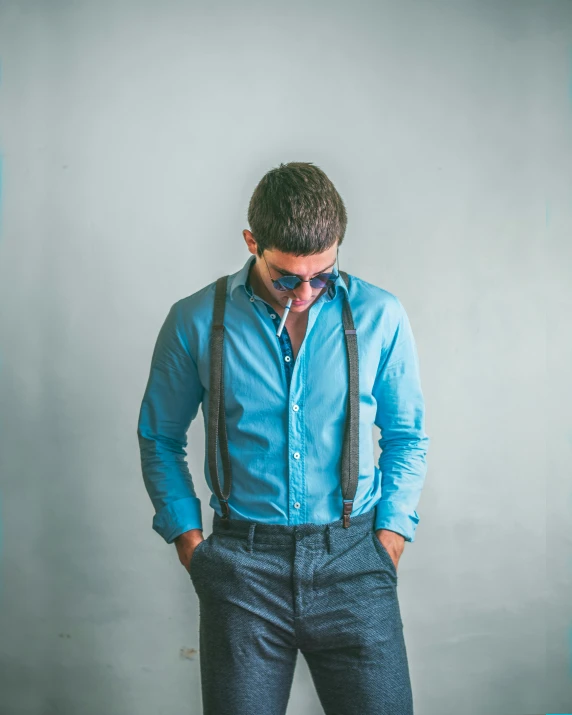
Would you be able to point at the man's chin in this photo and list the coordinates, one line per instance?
(296, 308)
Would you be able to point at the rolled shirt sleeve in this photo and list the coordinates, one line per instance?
(400, 416)
(170, 403)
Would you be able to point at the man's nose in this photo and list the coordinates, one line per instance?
(303, 291)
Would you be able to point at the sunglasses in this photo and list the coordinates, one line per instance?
(292, 282)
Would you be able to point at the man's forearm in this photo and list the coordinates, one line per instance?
(189, 536)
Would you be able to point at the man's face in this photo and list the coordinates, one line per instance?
(279, 264)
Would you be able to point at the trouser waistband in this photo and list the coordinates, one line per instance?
(257, 532)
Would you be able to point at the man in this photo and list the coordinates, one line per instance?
(307, 529)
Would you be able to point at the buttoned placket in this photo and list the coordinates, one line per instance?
(295, 396)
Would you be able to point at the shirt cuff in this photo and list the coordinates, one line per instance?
(388, 517)
(176, 518)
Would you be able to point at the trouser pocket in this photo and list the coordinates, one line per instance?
(199, 548)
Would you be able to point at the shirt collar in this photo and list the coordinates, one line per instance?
(240, 278)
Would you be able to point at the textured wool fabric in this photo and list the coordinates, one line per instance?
(267, 591)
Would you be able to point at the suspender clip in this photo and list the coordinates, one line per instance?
(225, 509)
(348, 506)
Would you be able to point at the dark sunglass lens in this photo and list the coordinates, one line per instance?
(323, 280)
(287, 283)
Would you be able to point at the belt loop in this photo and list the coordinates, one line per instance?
(251, 537)
(328, 539)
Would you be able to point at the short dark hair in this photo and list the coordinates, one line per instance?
(296, 209)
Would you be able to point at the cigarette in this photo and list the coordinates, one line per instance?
(284, 316)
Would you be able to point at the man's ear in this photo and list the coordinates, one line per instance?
(250, 241)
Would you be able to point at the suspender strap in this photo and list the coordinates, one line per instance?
(217, 422)
(350, 450)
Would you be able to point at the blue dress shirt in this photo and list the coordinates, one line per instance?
(286, 417)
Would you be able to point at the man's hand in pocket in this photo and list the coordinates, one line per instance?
(186, 544)
(394, 544)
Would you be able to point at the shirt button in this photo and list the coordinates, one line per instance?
(287, 358)
(272, 315)
(296, 455)
(297, 505)
(252, 299)
(295, 408)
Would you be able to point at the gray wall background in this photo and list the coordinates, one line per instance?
(132, 136)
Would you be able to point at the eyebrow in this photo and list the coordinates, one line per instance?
(286, 273)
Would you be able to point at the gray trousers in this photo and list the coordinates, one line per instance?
(267, 591)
